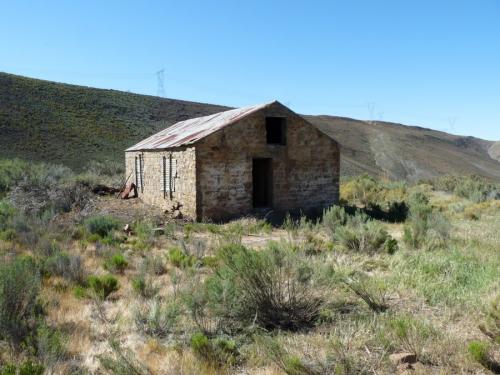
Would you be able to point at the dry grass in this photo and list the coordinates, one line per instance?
(444, 290)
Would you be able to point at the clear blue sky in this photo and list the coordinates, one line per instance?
(429, 63)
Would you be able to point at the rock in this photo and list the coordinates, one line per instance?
(402, 358)
(127, 229)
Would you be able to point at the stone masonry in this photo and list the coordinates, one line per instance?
(214, 174)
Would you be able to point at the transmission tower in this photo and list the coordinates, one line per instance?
(160, 75)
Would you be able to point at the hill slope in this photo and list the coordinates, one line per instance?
(48, 121)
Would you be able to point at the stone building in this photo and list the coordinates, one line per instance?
(237, 162)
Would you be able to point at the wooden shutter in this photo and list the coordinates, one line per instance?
(168, 172)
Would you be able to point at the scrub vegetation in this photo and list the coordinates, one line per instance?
(398, 270)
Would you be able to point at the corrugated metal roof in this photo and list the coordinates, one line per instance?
(189, 131)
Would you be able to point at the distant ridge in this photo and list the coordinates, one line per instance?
(68, 124)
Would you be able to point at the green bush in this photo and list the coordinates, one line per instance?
(407, 333)
(7, 212)
(116, 263)
(271, 287)
(19, 306)
(218, 351)
(371, 290)
(333, 218)
(365, 190)
(491, 326)
(475, 188)
(103, 286)
(180, 259)
(157, 319)
(363, 235)
(102, 225)
(481, 353)
(121, 361)
(425, 228)
(154, 265)
(143, 286)
(50, 345)
(27, 367)
(70, 267)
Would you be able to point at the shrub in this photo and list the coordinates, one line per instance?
(364, 190)
(19, 307)
(48, 188)
(180, 259)
(116, 263)
(103, 286)
(50, 346)
(333, 218)
(11, 172)
(154, 265)
(27, 367)
(410, 334)
(101, 225)
(7, 212)
(70, 267)
(481, 353)
(144, 286)
(121, 361)
(425, 228)
(271, 287)
(372, 291)
(491, 326)
(475, 188)
(156, 319)
(218, 351)
(364, 235)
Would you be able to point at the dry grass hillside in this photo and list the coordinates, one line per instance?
(408, 152)
(54, 122)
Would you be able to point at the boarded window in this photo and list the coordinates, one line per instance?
(169, 173)
(139, 172)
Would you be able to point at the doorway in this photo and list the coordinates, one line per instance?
(262, 176)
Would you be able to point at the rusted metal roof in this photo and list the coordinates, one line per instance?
(189, 131)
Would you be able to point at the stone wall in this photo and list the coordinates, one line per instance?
(305, 170)
(184, 179)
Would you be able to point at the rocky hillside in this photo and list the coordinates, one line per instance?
(48, 121)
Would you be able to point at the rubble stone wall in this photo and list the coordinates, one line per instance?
(305, 171)
(184, 178)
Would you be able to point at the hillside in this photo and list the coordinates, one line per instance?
(48, 121)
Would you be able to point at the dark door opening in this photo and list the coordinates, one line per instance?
(262, 175)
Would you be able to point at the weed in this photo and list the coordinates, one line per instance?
(103, 286)
(156, 319)
(116, 263)
(410, 334)
(269, 287)
(19, 306)
(491, 326)
(371, 290)
(218, 351)
(154, 265)
(50, 346)
(121, 361)
(364, 235)
(70, 267)
(480, 352)
(144, 286)
(180, 259)
(101, 225)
